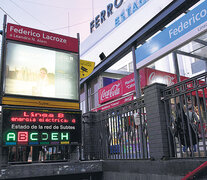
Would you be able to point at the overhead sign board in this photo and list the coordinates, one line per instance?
(129, 18)
(40, 127)
(190, 25)
(38, 37)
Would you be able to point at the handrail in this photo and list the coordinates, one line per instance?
(195, 171)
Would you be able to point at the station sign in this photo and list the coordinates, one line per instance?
(40, 127)
(38, 37)
(177, 34)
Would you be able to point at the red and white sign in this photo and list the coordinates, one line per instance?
(117, 89)
(43, 38)
(115, 103)
(127, 83)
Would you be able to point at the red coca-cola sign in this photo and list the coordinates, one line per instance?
(110, 92)
(115, 103)
(43, 38)
(127, 83)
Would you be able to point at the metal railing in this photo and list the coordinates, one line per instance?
(186, 115)
(119, 133)
(33, 154)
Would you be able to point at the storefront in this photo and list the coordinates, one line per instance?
(174, 53)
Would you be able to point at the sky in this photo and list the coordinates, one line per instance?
(66, 17)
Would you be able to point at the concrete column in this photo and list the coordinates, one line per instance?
(156, 121)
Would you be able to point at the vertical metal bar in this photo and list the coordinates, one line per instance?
(125, 133)
(101, 140)
(135, 136)
(182, 117)
(3, 151)
(174, 139)
(128, 133)
(117, 139)
(122, 134)
(177, 109)
(188, 126)
(111, 132)
(146, 145)
(204, 125)
(138, 135)
(114, 134)
(175, 59)
(86, 96)
(78, 37)
(106, 135)
(197, 139)
(138, 94)
(201, 121)
(136, 74)
(3, 53)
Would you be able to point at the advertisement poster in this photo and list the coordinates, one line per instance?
(39, 72)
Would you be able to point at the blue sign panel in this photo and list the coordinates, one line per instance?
(107, 81)
(181, 27)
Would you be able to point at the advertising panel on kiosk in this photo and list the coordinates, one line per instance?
(40, 65)
(40, 88)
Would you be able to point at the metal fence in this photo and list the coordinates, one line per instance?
(119, 133)
(31, 154)
(186, 115)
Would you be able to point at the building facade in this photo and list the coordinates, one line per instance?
(172, 43)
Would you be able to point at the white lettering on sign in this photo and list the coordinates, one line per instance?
(130, 84)
(128, 99)
(167, 79)
(32, 33)
(114, 91)
(185, 25)
(131, 9)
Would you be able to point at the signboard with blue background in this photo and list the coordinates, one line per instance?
(188, 26)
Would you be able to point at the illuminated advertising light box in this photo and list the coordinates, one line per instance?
(40, 64)
(35, 71)
(40, 127)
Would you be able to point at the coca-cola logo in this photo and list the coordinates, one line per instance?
(166, 79)
(169, 80)
(113, 91)
(128, 99)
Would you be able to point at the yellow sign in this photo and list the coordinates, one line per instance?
(86, 68)
(39, 103)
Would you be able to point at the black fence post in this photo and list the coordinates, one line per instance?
(89, 135)
(156, 121)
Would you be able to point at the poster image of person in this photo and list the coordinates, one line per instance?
(45, 85)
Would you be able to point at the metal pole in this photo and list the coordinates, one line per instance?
(86, 96)
(78, 37)
(3, 151)
(136, 75)
(175, 59)
(138, 95)
(3, 51)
